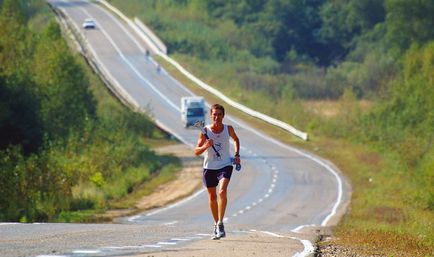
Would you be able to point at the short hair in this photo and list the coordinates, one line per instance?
(217, 107)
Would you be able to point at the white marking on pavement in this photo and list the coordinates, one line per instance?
(180, 239)
(308, 156)
(308, 247)
(271, 233)
(152, 246)
(86, 251)
(133, 218)
(170, 223)
(199, 234)
(194, 237)
(166, 243)
(297, 229)
(51, 256)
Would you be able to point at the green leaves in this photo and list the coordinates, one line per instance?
(66, 101)
(409, 21)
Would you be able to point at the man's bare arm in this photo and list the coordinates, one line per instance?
(202, 144)
(234, 137)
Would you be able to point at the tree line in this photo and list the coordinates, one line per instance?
(324, 46)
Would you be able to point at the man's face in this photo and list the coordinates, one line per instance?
(217, 116)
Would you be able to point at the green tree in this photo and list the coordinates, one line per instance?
(15, 39)
(405, 120)
(409, 21)
(19, 117)
(66, 102)
(344, 20)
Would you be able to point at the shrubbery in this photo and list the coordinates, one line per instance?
(65, 144)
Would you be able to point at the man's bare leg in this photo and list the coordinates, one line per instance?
(213, 206)
(223, 199)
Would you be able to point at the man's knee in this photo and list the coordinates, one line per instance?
(212, 197)
(222, 193)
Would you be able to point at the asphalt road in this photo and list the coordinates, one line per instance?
(279, 192)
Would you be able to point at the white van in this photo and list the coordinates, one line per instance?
(192, 110)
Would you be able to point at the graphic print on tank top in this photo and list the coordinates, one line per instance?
(218, 147)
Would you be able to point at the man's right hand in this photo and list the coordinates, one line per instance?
(209, 143)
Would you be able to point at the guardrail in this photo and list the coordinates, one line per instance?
(148, 40)
(156, 40)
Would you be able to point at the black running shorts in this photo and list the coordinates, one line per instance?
(211, 178)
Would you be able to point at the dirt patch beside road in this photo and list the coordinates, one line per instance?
(188, 180)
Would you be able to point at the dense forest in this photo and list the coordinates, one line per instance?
(284, 56)
(65, 144)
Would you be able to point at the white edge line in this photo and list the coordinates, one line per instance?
(51, 256)
(311, 157)
(308, 246)
(86, 251)
(297, 229)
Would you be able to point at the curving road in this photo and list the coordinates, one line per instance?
(280, 191)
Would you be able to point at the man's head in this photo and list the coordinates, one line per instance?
(217, 107)
(217, 113)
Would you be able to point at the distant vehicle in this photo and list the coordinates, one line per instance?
(192, 110)
(89, 24)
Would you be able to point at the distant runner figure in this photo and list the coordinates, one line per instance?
(217, 168)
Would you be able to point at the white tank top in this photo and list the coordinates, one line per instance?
(221, 144)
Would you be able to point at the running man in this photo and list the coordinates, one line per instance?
(217, 168)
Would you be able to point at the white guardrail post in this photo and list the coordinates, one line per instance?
(160, 49)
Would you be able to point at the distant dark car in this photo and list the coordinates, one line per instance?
(89, 24)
